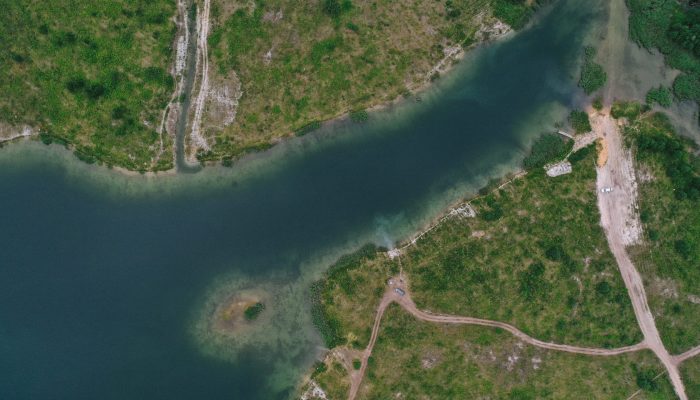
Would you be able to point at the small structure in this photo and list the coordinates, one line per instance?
(560, 168)
(393, 253)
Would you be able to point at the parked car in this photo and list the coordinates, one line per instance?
(606, 190)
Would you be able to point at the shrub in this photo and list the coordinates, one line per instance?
(581, 154)
(254, 311)
(548, 148)
(356, 364)
(359, 116)
(335, 8)
(660, 95)
(513, 12)
(598, 103)
(629, 110)
(687, 87)
(579, 121)
(308, 128)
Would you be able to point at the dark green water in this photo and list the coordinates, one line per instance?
(102, 277)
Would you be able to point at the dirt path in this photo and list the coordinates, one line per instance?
(392, 295)
(688, 354)
(197, 140)
(621, 224)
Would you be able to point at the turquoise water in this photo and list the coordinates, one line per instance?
(105, 280)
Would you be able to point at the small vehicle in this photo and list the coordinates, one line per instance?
(399, 291)
(606, 190)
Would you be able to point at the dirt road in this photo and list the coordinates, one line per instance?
(621, 224)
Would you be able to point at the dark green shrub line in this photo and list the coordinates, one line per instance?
(549, 148)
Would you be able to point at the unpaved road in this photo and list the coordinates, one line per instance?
(688, 354)
(621, 225)
(391, 296)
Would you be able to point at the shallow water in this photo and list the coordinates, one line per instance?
(105, 280)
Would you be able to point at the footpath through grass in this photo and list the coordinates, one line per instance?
(439, 361)
(669, 200)
(89, 74)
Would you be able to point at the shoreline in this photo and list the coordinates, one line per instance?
(444, 67)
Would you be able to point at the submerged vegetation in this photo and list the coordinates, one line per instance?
(593, 76)
(89, 75)
(673, 27)
(669, 200)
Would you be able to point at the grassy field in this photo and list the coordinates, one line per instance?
(425, 360)
(674, 28)
(304, 62)
(91, 75)
(690, 371)
(669, 200)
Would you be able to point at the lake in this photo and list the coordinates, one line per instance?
(106, 281)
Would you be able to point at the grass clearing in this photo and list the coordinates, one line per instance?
(669, 201)
(90, 75)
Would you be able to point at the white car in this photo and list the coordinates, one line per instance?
(606, 190)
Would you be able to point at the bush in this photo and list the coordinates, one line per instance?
(661, 96)
(579, 121)
(335, 8)
(359, 116)
(629, 110)
(548, 148)
(356, 364)
(308, 128)
(598, 103)
(593, 76)
(687, 87)
(581, 154)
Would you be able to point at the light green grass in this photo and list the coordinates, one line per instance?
(92, 75)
